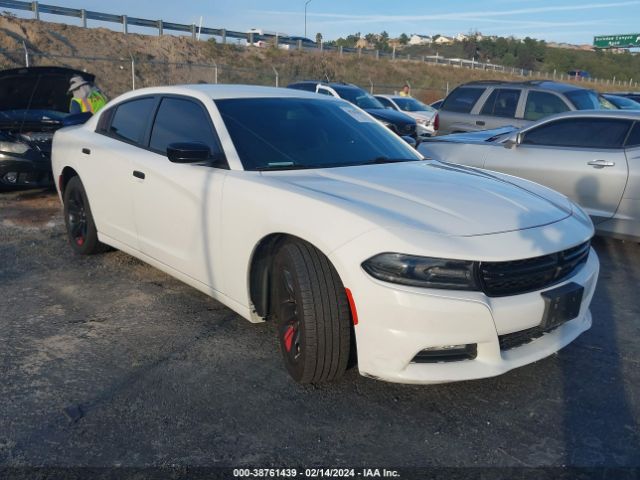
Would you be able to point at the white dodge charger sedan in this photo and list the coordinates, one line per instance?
(303, 210)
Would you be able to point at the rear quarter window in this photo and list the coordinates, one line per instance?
(462, 99)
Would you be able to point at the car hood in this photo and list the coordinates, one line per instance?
(473, 137)
(391, 116)
(440, 198)
(37, 88)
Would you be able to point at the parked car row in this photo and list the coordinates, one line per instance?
(315, 216)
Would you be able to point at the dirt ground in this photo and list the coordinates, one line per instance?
(109, 362)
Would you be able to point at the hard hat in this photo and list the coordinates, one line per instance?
(76, 82)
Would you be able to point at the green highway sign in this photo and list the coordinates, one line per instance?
(630, 40)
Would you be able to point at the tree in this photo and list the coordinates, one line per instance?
(404, 39)
(318, 38)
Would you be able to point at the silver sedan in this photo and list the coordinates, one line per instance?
(593, 157)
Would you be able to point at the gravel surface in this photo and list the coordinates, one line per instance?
(107, 361)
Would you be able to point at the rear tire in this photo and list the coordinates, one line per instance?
(312, 314)
(81, 229)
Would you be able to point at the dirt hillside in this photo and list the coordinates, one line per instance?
(174, 59)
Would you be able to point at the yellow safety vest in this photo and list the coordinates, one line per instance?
(94, 102)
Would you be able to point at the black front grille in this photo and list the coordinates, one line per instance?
(517, 339)
(500, 279)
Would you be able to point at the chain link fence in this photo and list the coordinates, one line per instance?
(116, 75)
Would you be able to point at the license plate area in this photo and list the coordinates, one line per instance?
(561, 305)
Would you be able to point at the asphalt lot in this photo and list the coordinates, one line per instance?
(107, 361)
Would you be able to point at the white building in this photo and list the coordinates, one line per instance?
(442, 40)
(420, 40)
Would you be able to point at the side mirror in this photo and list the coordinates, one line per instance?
(188, 152)
(411, 141)
(76, 119)
(513, 140)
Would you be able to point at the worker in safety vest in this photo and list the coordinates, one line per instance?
(86, 97)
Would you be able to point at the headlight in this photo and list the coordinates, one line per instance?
(423, 272)
(13, 147)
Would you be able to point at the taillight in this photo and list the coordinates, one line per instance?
(436, 122)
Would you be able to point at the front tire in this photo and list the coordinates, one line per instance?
(81, 229)
(312, 313)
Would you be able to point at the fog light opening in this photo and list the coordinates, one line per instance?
(11, 177)
(447, 353)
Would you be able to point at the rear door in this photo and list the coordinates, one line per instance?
(499, 109)
(455, 112)
(582, 158)
(120, 129)
(177, 206)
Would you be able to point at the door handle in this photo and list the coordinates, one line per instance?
(138, 174)
(86, 151)
(601, 163)
(480, 123)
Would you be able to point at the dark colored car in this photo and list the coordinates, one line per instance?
(34, 103)
(635, 96)
(623, 103)
(582, 74)
(398, 122)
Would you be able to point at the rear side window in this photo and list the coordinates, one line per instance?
(462, 99)
(542, 104)
(634, 137)
(130, 119)
(181, 120)
(502, 103)
(580, 132)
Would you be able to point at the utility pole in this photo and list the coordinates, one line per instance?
(305, 17)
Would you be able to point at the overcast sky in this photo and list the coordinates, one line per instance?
(574, 21)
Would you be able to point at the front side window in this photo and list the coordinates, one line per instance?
(306, 133)
(462, 99)
(543, 104)
(580, 132)
(130, 119)
(502, 103)
(181, 120)
(634, 136)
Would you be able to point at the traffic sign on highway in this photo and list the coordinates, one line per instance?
(630, 40)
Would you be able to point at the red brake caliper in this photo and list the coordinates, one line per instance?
(288, 337)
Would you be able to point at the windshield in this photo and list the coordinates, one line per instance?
(359, 97)
(291, 133)
(585, 100)
(412, 105)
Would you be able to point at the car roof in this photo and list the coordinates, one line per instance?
(545, 84)
(394, 97)
(622, 114)
(333, 85)
(223, 91)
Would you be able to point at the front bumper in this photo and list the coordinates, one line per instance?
(398, 322)
(25, 171)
